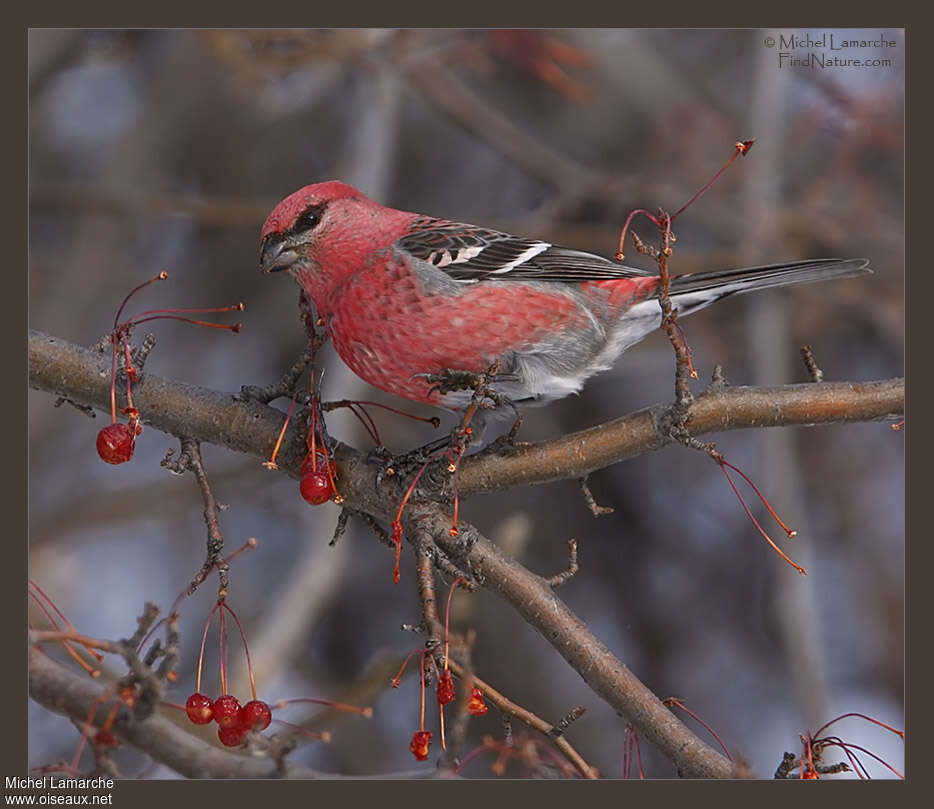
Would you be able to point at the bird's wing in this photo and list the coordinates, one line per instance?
(469, 254)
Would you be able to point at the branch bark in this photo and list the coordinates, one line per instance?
(245, 425)
(60, 690)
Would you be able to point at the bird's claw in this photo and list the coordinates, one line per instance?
(449, 380)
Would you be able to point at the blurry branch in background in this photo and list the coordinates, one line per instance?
(248, 426)
(204, 210)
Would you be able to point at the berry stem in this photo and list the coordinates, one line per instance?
(397, 522)
(271, 463)
(434, 421)
(156, 314)
(447, 617)
(755, 522)
(323, 736)
(204, 637)
(622, 234)
(739, 148)
(51, 603)
(366, 420)
(337, 706)
(398, 678)
(421, 680)
(160, 277)
(246, 546)
(671, 701)
(91, 671)
(441, 726)
(845, 746)
(791, 532)
(222, 648)
(234, 328)
(129, 372)
(246, 649)
(113, 378)
(328, 466)
(824, 727)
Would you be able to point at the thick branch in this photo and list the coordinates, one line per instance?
(578, 454)
(248, 426)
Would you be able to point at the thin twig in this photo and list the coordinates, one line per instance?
(595, 508)
(560, 578)
(190, 459)
(816, 374)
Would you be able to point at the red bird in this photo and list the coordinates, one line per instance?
(405, 296)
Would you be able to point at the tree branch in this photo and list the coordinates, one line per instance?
(61, 690)
(247, 426)
(533, 598)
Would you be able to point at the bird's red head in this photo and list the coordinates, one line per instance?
(286, 215)
(323, 232)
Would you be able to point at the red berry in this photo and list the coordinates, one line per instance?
(104, 738)
(316, 488)
(231, 737)
(255, 715)
(476, 706)
(115, 443)
(421, 741)
(445, 687)
(199, 709)
(226, 710)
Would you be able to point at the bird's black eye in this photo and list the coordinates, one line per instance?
(309, 219)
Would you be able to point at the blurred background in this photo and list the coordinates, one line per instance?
(165, 150)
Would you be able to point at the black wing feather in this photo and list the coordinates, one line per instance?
(468, 254)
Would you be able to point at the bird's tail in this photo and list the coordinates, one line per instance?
(695, 290)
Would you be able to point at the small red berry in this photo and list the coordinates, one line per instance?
(115, 443)
(316, 488)
(199, 709)
(226, 710)
(476, 706)
(255, 715)
(104, 738)
(445, 687)
(231, 737)
(421, 741)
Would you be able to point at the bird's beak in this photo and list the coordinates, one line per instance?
(275, 257)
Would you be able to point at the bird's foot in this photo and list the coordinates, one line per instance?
(450, 380)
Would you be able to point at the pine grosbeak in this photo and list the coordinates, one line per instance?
(405, 295)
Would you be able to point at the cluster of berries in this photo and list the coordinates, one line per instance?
(233, 720)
